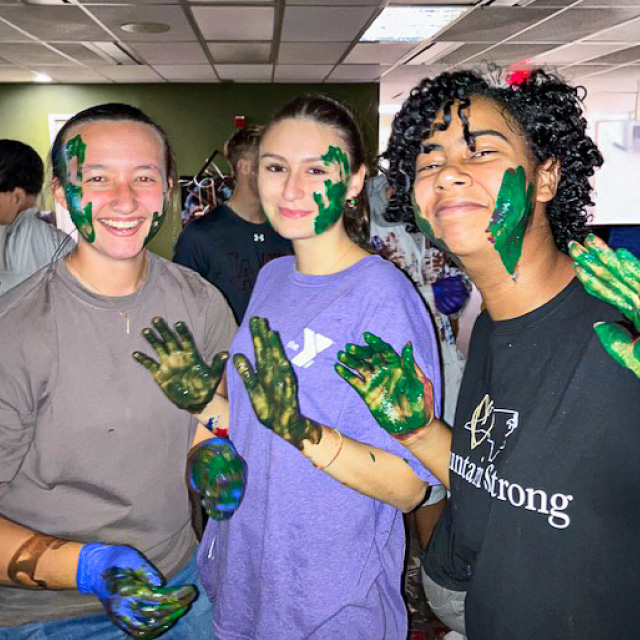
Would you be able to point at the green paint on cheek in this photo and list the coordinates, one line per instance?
(509, 220)
(426, 228)
(373, 458)
(81, 216)
(156, 223)
(335, 192)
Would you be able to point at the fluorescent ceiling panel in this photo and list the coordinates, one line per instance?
(186, 73)
(323, 24)
(378, 52)
(240, 52)
(235, 23)
(410, 24)
(170, 52)
(311, 52)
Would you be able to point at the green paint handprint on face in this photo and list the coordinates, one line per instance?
(397, 393)
(81, 216)
(142, 609)
(186, 379)
(273, 388)
(511, 216)
(156, 223)
(335, 192)
(613, 277)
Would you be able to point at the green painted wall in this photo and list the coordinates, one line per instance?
(198, 117)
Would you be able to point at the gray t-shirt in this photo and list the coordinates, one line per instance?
(90, 448)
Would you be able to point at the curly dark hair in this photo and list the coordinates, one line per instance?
(545, 110)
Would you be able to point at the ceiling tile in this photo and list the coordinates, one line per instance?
(240, 52)
(378, 52)
(114, 16)
(235, 23)
(302, 72)
(8, 34)
(71, 23)
(617, 80)
(92, 3)
(318, 24)
(356, 73)
(502, 55)
(245, 72)
(629, 32)
(311, 52)
(609, 3)
(155, 53)
(629, 54)
(80, 53)
(493, 24)
(337, 2)
(14, 74)
(235, 2)
(186, 73)
(575, 53)
(25, 53)
(72, 73)
(463, 53)
(129, 73)
(580, 70)
(577, 23)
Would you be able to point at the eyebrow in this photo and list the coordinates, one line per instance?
(153, 167)
(428, 148)
(275, 156)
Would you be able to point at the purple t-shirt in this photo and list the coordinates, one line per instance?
(304, 556)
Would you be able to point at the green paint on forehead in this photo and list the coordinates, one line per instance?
(509, 221)
(335, 192)
(80, 216)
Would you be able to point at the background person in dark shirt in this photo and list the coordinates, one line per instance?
(228, 245)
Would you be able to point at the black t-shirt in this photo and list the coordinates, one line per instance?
(542, 527)
(229, 251)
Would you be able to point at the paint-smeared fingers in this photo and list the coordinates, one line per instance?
(151, 365)
(170, 340)
(353, 362)
(351, 378)
(185, 336)
(407, 359)
(156, 344)
(359, 351)
(611, 292)
(245, 371)
(259, 329)
(218, 364)
(630, 265)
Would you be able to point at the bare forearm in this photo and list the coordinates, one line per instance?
(216, 413)
(370, 471)
(432, 446)
(33, 560)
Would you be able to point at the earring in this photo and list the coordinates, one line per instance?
(352, 203)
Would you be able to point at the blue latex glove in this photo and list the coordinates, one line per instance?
(450, 294)
(219, 473)
(130, 589)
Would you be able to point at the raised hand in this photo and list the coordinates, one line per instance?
(130, 589)
(450, 294)
(397, 393)
(273, 389)
(614, 277)
(219, 473)
(186, 379)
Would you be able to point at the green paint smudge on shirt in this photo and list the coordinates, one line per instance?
(511, 216)
(335, 192)
(80, 216)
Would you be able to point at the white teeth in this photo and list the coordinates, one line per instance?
(121, 224)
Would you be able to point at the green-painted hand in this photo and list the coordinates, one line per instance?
(273, 388)
(397, 393)
(218, 473)
(80, 216)
(335, 192)
(613, 277)
(139, 607)
(182, 374)
(511, 216)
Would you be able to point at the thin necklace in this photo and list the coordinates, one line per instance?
(92, 287)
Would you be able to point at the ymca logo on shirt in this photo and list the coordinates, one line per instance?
(314, 343)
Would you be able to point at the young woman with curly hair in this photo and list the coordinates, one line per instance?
(540, 532)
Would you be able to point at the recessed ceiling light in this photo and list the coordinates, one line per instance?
(145, 27)
(42, 77)
(410, 24)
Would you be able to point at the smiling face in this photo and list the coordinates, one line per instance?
(303, 178)
(457, 189)
(116, 185)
